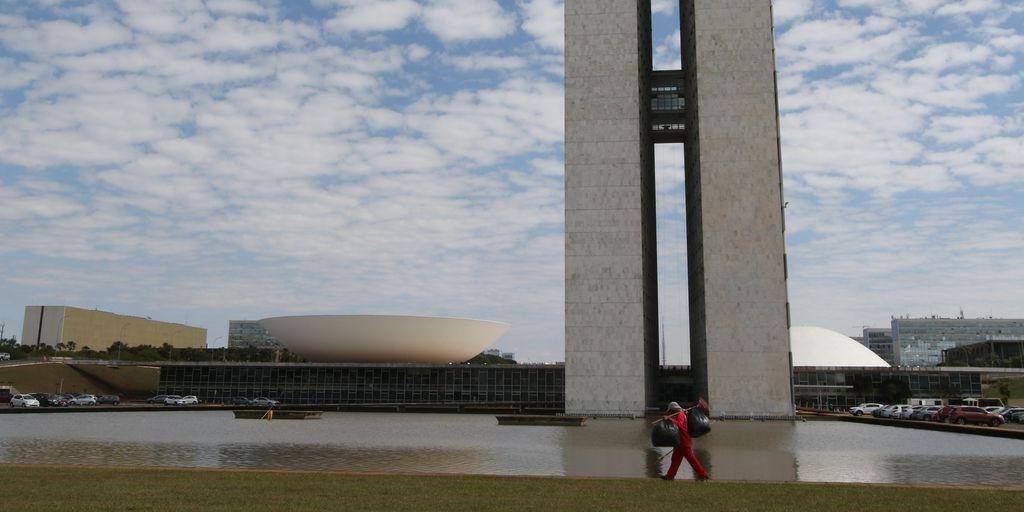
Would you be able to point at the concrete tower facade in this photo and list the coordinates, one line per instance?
(722, 106)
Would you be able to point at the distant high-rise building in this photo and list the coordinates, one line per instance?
(508, 355)
(879, 341)
(249, 333)
(920, 341)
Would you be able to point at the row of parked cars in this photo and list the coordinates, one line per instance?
(192, 400)
(61, 400)
(173, 400)
(962, 414)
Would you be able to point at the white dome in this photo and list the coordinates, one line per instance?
(816, 346)
(384, 338)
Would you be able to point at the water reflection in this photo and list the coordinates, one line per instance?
(811, 451)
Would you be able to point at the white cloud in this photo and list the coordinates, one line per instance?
(789, 10)
(545, 21)
(478, 62)
(960, 129)
(467, 20)
(65, 37)
(376, 16)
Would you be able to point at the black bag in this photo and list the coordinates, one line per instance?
(697, 422)
(665, 434)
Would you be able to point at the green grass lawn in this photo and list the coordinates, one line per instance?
(32, 488)
(1016, 390)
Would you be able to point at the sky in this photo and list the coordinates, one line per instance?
(202, 161)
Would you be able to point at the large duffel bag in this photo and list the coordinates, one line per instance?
(665, 434)
(697, 422)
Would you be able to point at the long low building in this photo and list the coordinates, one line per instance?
(541, 386)
(50, 325)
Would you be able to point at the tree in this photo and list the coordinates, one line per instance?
(893, 391)
(1004, 391)
(71, 346)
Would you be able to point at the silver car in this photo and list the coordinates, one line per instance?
(84, 400)
(24, 401)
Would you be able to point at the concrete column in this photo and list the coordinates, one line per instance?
(739, 314)
(610, 256)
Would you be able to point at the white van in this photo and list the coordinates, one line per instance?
(4, 356)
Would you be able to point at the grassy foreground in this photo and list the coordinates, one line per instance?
(66, 488)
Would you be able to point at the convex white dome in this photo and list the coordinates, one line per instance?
(817, 346)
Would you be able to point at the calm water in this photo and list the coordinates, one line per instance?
(443, 443)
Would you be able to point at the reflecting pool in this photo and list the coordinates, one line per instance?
(446, 443)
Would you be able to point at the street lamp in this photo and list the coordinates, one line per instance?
(224, 351)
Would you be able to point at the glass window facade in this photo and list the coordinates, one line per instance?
(845, 388)
(324, 384)
(920, 341)
(248, 333)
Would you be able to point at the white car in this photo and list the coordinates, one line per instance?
(24, 401)
(993, 409)
(171, 399)
(908, 411)
(185, 400)
(862, 409)
(897, 411)
(84, 400)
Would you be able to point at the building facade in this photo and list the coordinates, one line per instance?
(722, 107)
(1000, 351)
(921, 341)
(249, 333)
(540, 386)
(879, 341)
(529, 386)
(845, 387)
(50, 325)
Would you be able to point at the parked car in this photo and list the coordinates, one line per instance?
(158, 399)
(4, 356)
(5, 395)
(942, 415)
(171, 399)
(886, 412)
(994, 409)
(1008, 412)
(240, 400)
(187, 400)
(24, 401)
(1018, 418)
(908, 411)
(862, 409)
(109, 399)
(897, 411)
(971, 414)
(84, 399)
(929, 412)
(918, 412)
(878, 412)
(264, 402)
(50, 400)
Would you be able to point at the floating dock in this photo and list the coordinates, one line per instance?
(249, 414)
(522, 419)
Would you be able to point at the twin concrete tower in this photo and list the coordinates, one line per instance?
(722, 107)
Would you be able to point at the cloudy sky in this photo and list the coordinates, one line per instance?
(200, 161)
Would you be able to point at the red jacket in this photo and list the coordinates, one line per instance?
(679, 419)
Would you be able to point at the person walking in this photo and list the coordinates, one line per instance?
(684, 449)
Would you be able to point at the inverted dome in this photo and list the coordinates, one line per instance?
(816, 346)
(384, 338)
